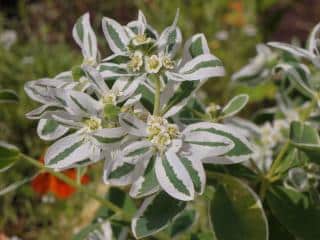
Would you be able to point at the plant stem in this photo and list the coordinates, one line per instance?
(156, 109)
(278, 159)
(79, 187)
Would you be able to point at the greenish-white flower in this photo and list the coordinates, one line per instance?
(136, 61)
(153, 64)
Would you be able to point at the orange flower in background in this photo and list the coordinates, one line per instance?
(46, 183)
(235, 16)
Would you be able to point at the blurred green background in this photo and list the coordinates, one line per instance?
(36, 41)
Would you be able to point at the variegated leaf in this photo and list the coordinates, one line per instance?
(85, 37)
(199, 68)
(196, 172)
(147, 183)
(195, 46)
(173, 177)
(49, 129)
(155, 214)
(133, 125)
(108, 136)
(67, 151)
(235, 105)
(115, 34)
(241, 149)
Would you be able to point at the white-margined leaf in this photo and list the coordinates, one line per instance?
(109, 70)
(115, 34)
(199, 68)
(85, 37)
(195, 46)
(68, 151)
(241, 149)
(299, 75)
(147, 183)
(202, 144)
(196, 172)
(171, 38)
(133, 125)
(173, 177)
(235, 105)
(174, 98)
(109, 136)
(126, 165)
(155, 214)
(49, 129)
(256, 71)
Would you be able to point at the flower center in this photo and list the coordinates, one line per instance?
(136, 61)
(167, 62)
(111, 97)
(93, 123)
(160, 132)
(89, 61)
(153, 64)
(140, 39)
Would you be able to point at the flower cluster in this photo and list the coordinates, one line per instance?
(124, 109)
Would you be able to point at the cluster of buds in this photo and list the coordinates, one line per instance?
(160, 132)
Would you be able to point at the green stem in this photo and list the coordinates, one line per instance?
(278, 159)
(156, 109)
(79, 187)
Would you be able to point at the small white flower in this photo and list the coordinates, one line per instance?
(92, 124)
(153, 64)
(140, 39)
(89, 61)
(167, 62)
(8, 38)
(161, 141)
(136, 61)
(222, 35)
(250, 30)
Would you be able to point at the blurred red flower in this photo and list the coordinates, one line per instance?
(46, 183)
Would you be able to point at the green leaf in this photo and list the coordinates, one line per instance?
(119, 198)
(236, 212)
(155, 214)
(8, 96)
(306, 138)
(296, 212)
(8, 154)
(183, 222)
(235, 105)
